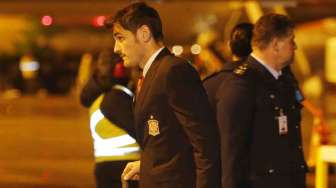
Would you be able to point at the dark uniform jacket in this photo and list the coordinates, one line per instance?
(213, 82)
(254, 153)
(175, 130)
(116, 105)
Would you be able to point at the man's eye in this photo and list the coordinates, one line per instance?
(119, 38)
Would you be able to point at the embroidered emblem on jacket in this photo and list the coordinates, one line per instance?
(153, 126)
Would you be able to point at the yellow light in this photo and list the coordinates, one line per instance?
(177, 50)
(330, 64)
(196, 49)
(254, 10)
(84, 69)
(28, 67)
(312, 87)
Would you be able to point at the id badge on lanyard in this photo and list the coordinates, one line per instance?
(282, 123)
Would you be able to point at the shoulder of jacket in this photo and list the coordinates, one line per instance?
(241, 70)
(245, 72)
(245, 76)
(175, 61)
(212, 76)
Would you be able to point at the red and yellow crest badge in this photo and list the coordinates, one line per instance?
(153, 126)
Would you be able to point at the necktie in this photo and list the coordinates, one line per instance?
(139, 85)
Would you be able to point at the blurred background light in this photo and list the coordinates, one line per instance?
(195, 49)
(29, 66)
(46, 20)
(330, 65)
(177, 50)
(98, 21)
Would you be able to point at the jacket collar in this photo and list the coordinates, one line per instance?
(150, 61)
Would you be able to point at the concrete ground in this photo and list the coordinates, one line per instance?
(45, 143)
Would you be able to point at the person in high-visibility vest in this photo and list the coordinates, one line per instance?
(111, 120)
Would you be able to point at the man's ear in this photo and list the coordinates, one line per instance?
(144, 34)
(275, 45)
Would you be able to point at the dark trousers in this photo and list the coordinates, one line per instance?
(108, 174)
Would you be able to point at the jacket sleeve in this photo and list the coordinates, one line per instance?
(93, 89)
(117, 108)
(188, 99)
(235, 108)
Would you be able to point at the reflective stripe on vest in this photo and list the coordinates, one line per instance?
(124, 89)
(110, 142)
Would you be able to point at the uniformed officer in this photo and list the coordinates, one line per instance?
(259, 113)
(240, 46)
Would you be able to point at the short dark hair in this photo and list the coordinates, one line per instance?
(271, 26)
(240, 40)
(136, 15)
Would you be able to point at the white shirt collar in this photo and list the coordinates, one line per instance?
(274, 73)
(150, 61)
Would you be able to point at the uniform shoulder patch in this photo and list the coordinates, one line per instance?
(241, 69)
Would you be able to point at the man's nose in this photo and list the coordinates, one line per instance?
(116, 48)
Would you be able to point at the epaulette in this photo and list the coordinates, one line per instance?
(241, 69)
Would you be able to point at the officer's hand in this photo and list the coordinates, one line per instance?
(131, 171)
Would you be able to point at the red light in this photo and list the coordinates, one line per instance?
(46, 20)
(98, 21)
